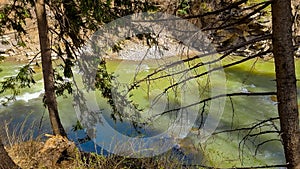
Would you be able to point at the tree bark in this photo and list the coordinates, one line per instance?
(5, 161)
(286, 80)
(48, 75)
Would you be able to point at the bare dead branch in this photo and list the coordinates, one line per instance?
(231, 6)
(264, 142)
(216, 97)
(259, 126)
(239, 21)
(263, 132)
(247, 128)
(215, 69)
(233, 111)
(229, 51)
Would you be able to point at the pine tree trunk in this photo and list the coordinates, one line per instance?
(48, 75)
(286, 80)
(5, 161)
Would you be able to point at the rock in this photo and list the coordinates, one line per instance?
(4, 55)
(2, 50)
(55, 150)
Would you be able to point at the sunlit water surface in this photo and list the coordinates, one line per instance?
(221, 150)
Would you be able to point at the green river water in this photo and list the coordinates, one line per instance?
(221, 150)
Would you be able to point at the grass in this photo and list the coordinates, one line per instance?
(25, 155)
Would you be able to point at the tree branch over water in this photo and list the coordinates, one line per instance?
(215, 69)
(227, 50)
(216, 97)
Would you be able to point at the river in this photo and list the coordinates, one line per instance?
(27, 116)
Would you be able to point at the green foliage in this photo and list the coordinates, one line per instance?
(77, 126)
(103, 82)
(2, 16)
(21, 43)
(184, 7)
(72, 17)
(68, 68)
(62, 83)
(24, 79)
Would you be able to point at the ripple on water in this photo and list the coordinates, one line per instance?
(29, 96)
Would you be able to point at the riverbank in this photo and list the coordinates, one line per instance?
(58, 152)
